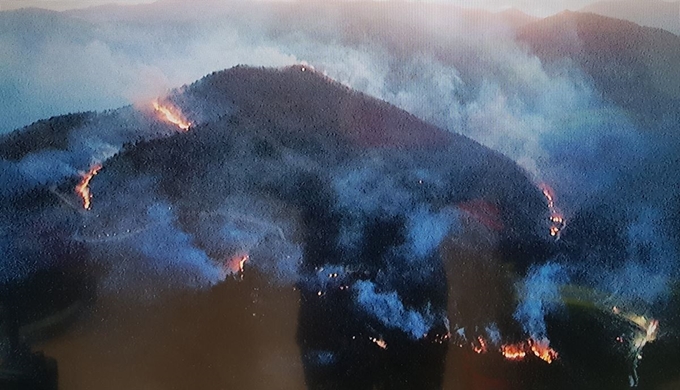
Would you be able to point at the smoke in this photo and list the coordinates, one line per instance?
(494, 334)
(144, 247)
(59, 64)
(170, 249)
(390, 311)
(539, 295)
(390, 218)
(646, 265)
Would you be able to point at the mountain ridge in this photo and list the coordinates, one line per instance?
(658, 13)
(632, 65)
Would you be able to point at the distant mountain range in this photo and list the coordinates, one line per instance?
(635, 67)
(650, 13)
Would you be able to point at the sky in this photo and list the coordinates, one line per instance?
(534, 7)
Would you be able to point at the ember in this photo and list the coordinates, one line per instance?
(481, 348)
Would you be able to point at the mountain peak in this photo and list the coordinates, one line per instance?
(280, 97)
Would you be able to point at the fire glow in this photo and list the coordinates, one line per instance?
(171, 114)
(649, 327)
(557, 221)
(514, 351)
(539, 348)
(379, 342)
(481, 348)
(236, 264)
(83, 188)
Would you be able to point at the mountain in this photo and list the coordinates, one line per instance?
(653, 13)
(113, 55)
(292, 137)
(283, 177)
(631, 65)
(299, 112)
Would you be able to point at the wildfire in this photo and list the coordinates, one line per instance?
(83, 188)
(481, 348)
(171, 114)
(514, 351)
(557, 221)
(236, 264)
(379, 342)
(649, 326)
(540, 348)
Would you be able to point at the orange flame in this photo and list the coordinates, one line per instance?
(481, 348)
(236, 264)
(83, 188)
(171, 114)
(514, 351)
(540, 348)
(650, 327)
(379, 342)
(557, 221)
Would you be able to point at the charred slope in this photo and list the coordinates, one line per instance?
(633, 66)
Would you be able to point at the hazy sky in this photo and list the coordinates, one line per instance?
(536, 7)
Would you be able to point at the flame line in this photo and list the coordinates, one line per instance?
(83, 188)
(557, 221)
(171, 114)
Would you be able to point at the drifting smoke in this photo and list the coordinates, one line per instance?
(390, 311)
(380, 191)
(540, 294)
(169, 247)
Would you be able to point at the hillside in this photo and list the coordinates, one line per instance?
(309, 178)
(273, 130)
(635, 67)
(299, 112)
(650, 13)
(385, 226)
